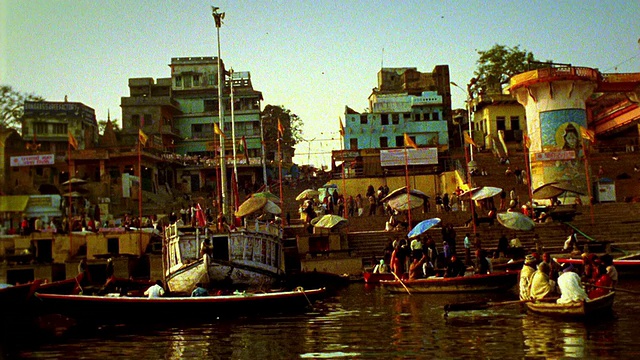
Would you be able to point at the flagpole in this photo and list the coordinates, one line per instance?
(471, 205)
(233, 141)
(406, 178)
(527, 168)
(284, 219)
(139, 185)
(70, 222)
(586, 170)
(344, 181)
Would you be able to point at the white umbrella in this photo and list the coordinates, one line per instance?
(329, 221)
(308, 193)
(74, 181)
(271, 208)
(402, 202)
(516, 221)
(483, 192)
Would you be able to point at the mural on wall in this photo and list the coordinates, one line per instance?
(562, 156)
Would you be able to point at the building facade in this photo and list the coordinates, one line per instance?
(495, 113)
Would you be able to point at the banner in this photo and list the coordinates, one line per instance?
(32, 160)
(420, 156)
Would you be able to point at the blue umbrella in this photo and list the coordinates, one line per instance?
(422, 227)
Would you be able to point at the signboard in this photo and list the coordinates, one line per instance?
(421, 156)
(33, 160)
(554, 155)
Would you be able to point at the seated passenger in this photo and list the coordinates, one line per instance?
(541, 286)
(455, 267)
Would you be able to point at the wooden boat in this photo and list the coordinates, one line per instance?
(17, 295)
(498, 281)
(125, 309)
(371, 278)
(582, 309)
(249, 257)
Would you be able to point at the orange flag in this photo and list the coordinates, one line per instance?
(280, 128)
(469, 140)
(217, 131)
(72, 140)
(341, 128)
(409, 142)
(142, 137)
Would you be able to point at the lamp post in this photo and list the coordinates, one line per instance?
(468, 101)
(217, 16)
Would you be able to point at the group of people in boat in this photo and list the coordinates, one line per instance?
(420, 258)
(545, 278)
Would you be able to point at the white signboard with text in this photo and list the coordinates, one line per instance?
(421, 156)
(33, 160)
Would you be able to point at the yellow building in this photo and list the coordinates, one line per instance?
(494, 113)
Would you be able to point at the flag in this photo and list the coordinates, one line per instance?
(142, 137)
(72, 140)
(409, 142)
(587, 134)
(244, 146)
(280, 128)
(341, 128)
(217, 131)
(526, 141)
(469, 140)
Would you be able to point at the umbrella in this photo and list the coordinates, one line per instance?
(483, 192)
(516, 221)
(309, 193)
(329, 221)
(402, 202)
(250, 206)
(272, 208)
(554, 189)
(74, 181)
(422, 227)
(403, 190)
(267, 195)
(73, 194)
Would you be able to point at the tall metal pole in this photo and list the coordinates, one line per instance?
(470, 128)
(233, 139)
(223, 163)
(264, 158)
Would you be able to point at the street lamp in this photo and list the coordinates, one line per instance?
(468, 101)
(217, 16)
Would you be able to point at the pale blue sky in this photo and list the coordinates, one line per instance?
(313, 57)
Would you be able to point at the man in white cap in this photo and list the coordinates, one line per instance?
(526, 274)
(570, 286)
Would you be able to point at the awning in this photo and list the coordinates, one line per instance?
(13, 203)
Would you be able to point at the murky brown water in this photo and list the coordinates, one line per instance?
(362, 322)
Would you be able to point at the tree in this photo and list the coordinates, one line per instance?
(497, 65)
(12, 107)
(291, 125)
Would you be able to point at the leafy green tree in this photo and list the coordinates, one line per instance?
(497, 65)
(12, 107)
(292, 130)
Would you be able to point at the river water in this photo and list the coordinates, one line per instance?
(362, 322)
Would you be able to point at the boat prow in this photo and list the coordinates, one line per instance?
(577, 310)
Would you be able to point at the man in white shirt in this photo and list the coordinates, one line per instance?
(570, 286)
(155, 290)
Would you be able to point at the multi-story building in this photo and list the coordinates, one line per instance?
(494, 113)
(405, 101)
(45, 129)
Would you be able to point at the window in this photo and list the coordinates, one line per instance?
(40, 128)
(196, 80)
(384, 142)
(515, 123)
(135, 121)
(211, 105)
(416, 117)
(395, 119)
(187, 82)
(407, 116)
(435, 116)
(384, 119)
(501, 123)
(178, 81)
(399, 141)
(59, 128)
(147, 120)
(363, 119)
(199, 131)
(113, 246)
(426, 116)
(353, 144)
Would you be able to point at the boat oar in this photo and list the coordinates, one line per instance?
(614, 289)
(403, 285)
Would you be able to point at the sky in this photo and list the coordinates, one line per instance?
(313, 57)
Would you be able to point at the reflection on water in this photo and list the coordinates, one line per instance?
(363, 323)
